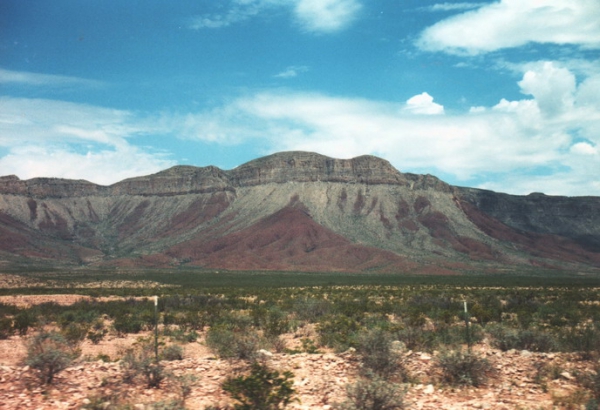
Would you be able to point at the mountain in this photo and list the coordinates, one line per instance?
(294, 211)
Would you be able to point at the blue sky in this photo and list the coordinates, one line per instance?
(502, 95)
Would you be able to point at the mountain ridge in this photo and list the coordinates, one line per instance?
(397, 221)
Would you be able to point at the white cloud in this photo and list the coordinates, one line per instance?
(514, 23)
(103, 167)
(69, 140)
(423, 104)
(509, 139)
(588, 94)
(326, 15)
(452, 6)
(553, 88)
(316, 16)
(547, 141)
(36, 79)
(238, 12)
(584, 148)
(291, 72)
(39, 120)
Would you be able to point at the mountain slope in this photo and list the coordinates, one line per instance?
(293, 211)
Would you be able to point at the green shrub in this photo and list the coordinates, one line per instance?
(338, 331)
(262, 389)
(6, 328)
(231, 344)
(415, 338)
(377, 355)
(373, 394)
(191, 320)
(308, 345)
(184, 385)
(463, 367)
(457, 335)
(506, 338)
(172, 352)
(49, 353)
(75, 332)
(546, 372)
(24, 320)
(311, 310)
(172, 404)
(128, 324)
(276, 322)
(140, 362)
(591, 381)
(95, 336)
(181, 335)
(584, 340)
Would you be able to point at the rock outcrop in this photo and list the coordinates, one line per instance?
(293, 210)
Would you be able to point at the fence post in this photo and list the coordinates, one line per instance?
(468, 333)
(156, 328)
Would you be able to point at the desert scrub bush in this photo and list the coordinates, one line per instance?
(507, 338)
(591, 381)
(415, 338)
(456, 334)
(378, 356)
(227, 343)
(97, 331)
(171, 352)
(140, 362)
(584, 340)
(74, 332)
(373, 394)
(310, 310)
(128, 324)
(545, 372)
(272, 321)
(261, 389)
(191, 321)
(577, 399)
(338, 332)
(83, 316)
(180, 334)
(49, 353)
(486, 311)
(463, 367)
(23, 321)
(6, 328)
(184, 384)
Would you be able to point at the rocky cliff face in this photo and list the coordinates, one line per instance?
(293, 210)
(574, 218)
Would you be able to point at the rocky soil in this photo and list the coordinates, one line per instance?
(320, 379)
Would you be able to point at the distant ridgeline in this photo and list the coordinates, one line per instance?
(294, 211)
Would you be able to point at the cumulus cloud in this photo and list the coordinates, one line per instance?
(514, 23)
(423, 104)
(513, 141)
(584, 148)
(316, 16)
(552, 87)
